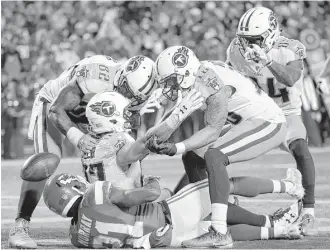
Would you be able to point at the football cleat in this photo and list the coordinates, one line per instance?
(211, 239)
(294, 176)
(290, 231)
(307, 223)
(19, 236)
(284, 217)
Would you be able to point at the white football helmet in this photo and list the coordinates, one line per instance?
(136, 79)
(259, 26)
(176, 68)
(109, 112)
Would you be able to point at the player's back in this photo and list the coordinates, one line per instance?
(248, 101)
(102, 224)
(93, 73)
(101, 163)
(284, 51)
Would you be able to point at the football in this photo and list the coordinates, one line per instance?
(39, 167)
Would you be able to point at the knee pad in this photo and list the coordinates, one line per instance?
(299, 148)
(214, 156)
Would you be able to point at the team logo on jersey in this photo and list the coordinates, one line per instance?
(134, 63)
(120, 143)
(213, 83)
(104, 108)
(180, 58)
(272, 22)
(83, 72)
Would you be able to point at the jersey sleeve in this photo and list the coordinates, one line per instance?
(230, 50)
(208, 82)
(97, 193)
(93, 78)
(294, 50)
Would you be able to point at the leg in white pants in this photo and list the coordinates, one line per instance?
(188, 207)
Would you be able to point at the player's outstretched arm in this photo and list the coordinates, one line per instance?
(215, 118)
(138, 150)
(128, 198)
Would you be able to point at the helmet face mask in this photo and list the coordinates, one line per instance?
(176, 68)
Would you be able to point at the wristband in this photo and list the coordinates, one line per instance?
(74, 135)
(180, 148)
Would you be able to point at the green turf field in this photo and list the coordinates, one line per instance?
(51, 231)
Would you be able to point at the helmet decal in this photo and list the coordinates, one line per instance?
(104, 108)
(180, 58)
(134, 63)
(83, 72)
(272, 21)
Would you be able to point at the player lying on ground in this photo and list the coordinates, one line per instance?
(276, 64)
(105, 216)
(59, 111)
(257, 125)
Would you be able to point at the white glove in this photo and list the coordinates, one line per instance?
(152, 102)
(257, 55)
(190, 103)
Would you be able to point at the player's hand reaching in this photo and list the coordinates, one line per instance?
(86, 143)
(152, 103)
(162, 148)
(190, 103)
(258, 55)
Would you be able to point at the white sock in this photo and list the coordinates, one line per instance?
(277, 186)
(267, 223)
(264, 235)
(288, 185)
(219, 217)
(309, 210)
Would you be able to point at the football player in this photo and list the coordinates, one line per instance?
(276, 64)
(106, 216)
(59, 111)
(116, 155)
(257, 125)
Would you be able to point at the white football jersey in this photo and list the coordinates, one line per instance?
(94, 74)
(101, 163)
(284, 51)
(248, 101)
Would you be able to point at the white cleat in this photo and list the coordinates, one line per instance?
(285, 217)
(291, 232)
(19, 236)
(294, 176)
(307, 224)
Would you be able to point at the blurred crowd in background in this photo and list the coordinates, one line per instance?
(41, 39)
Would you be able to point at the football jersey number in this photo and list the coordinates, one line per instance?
(233, 118)
(95, 170)
(104, 73)
(283, 92)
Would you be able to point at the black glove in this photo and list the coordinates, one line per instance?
(165, 148)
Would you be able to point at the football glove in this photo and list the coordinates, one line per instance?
(152, 103)
(258, 55)
(162, 148)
